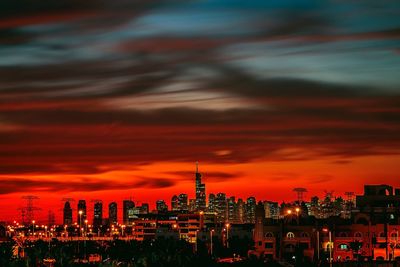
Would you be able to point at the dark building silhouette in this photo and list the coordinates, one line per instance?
(221, 207)
(82, 215)
(183, 202)
(127, 210)
(144, 209)
(174, 203)
(161, 206)
(98, 214)
(251, 210)
(211, 202)
(200, 191)
(67, 214)
(113, 212)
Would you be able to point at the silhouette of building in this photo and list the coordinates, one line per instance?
(250, 210)
(161, 206)
(82, 215)
(271, 209)
(128, 211)
(113, 212)
(232, 210)
(174, 203)
(221, 207)
(183, 202)
(144, 208)
(67, 214)
(200, 191)
(98, 214)
(211, 202)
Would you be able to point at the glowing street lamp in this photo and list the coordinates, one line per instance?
(297, 211)
(326, 230)
(33, 227)
(211, 241)
(227, 234)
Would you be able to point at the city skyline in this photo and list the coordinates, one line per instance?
(96, 210)
(118, 99)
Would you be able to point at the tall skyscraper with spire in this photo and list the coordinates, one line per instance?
(200, 191)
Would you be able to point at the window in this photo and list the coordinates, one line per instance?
(290, 235)
(269, 234)
(269, 245)
(304, 234)
(343, 247)
(358, 235)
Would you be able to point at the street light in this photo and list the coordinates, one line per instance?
(122, 229)
(211, 241)
(326, 230)
(297, 211)
(227, 234)
(86, 227)
(33, 227)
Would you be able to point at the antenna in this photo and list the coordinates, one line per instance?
(197, 167)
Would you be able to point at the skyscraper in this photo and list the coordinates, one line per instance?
(232, 210)
(200, 191)
(98, 214)
(221, 207)
(113, 212)
(67, 212)
(82, 215)
(211, 202)
(183, 202)
(127, 210)
(174, 203)
(251, 210)
(161, 206)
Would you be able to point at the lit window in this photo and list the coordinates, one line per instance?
(290, 235)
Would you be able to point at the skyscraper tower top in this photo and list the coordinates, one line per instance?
(200, 191)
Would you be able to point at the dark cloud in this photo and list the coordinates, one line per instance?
(15, 185)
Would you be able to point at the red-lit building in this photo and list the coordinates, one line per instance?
(372, 233)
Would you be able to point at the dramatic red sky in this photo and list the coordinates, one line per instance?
(112, 102)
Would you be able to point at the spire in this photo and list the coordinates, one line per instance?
(197, 167)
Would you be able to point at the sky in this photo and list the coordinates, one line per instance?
(114, 100)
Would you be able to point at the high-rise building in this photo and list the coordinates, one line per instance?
(174, 203)
(98, 214)
(251, 210)
(127, 211)
(113, 212)
(211, 202)
(240, 210)
(82, 215)
(200, 191)
(192, 205)
(232, 210)
(161, 206)
(67, 212)
(271, 209)
(144, 209)
(221, 207)
(183, 202)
